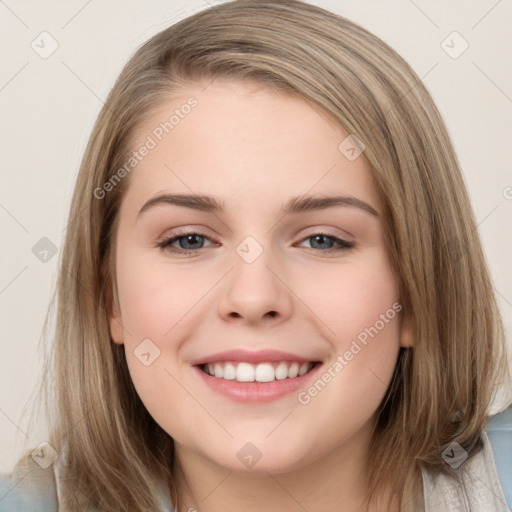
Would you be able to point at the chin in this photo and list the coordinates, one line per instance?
(251, 458)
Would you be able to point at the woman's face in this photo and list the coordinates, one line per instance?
(276, 279)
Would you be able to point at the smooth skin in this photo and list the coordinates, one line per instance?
(253, 149)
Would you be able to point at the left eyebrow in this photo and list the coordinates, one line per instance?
(309, 203)
(295, 205)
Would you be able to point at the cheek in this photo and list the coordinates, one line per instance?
(158, 303)
(349, 299)
(361, 310)
(155, 297)
(154, 304)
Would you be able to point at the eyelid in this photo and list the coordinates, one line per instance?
(180, 234)
(316, 230)
(343, 244)
(345, 235)
(165, 244)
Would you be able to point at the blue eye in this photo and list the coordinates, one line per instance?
(327, 243)
(188, 242)
(191, 243)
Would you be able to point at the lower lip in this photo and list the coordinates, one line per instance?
(256, 392)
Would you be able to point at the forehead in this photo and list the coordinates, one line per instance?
(243, 140)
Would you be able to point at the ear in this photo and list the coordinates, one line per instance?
(406, 336)
(115, 320)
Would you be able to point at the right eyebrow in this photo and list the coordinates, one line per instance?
(196, 202)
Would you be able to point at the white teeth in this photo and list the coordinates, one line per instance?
(303, 369)
(245, 372)
(219, 371)
(293, 371)
(281, 371)
(229, 371)
(262, 372)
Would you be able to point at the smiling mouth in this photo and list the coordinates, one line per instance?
(262, 372)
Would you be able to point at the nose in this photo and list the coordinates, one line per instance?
(255, 293)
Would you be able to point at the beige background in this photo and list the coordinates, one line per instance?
(48, 107)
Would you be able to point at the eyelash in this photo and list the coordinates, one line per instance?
(165, 244)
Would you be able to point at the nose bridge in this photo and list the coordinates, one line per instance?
(254, 291)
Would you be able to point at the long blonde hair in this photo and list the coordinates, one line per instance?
(115, 453)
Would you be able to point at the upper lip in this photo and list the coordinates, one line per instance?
(252, 356)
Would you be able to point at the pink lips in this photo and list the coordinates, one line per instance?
(254, 392)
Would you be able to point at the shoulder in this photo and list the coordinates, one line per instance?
(28, 487)
(501, 421)
(483, 482)
(32, 486)
(499, 432)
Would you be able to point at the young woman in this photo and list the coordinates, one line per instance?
(272, 294)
